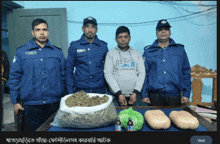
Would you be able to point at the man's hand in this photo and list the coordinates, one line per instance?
(122, 100)
(133, 99)
(18, 107)
(146, 100)
(184, 99)
(4, 80)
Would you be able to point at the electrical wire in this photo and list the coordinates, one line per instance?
(149, 22)
(185, 4)
(190, 21)
(193, 5)
(181, 7)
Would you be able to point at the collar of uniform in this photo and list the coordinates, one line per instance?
(84, 41)
(155, 43)
(172, 42)
(32, 44)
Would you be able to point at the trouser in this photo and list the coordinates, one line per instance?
(3, 86)
(36, 115)
(92, 90)
(157, 99)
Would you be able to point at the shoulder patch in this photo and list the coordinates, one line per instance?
(147, 47)
(57, 47)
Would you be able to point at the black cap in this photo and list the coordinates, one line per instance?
(89, 19)
(163, 23)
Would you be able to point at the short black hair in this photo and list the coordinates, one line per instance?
(37, 22)
(122, 29)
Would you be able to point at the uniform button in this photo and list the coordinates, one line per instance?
(41, 59)
(42, 73)
(42, 86)
(88, 48)
(163, 60)
(43, 101)
(89, 62)
(90, 76)
(165, 84)
(40, 49)
(165, 72)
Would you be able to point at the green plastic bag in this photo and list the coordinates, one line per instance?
(137, 118)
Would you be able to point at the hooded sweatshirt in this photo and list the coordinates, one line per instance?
(124, 71)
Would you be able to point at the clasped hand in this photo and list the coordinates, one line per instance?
(122, 100)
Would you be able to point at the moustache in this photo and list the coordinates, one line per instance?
(90, 33)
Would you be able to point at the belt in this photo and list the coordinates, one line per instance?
(91, 88)
(168, 94)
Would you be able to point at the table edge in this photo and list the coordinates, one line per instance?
(210, 127)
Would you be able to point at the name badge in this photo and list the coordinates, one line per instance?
(81, 50)
(31, 53)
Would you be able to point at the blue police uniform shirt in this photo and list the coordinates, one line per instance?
(167, 70)
(85, 64)
(37, 74)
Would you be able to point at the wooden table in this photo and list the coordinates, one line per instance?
(209, 126)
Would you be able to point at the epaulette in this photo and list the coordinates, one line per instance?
(19, 47)
(103, 41)
(57, 47)
(74, 41)
(147, 47)
(180, 45)
(71, 42)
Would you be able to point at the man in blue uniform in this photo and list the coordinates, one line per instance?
(37, 77)
(168, 79)
(85, 61)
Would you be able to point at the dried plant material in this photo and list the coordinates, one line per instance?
(82, 99)
(82, 110)
(101, 118)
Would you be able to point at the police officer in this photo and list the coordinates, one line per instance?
(85, 61)
(168, 79)
(37, 75)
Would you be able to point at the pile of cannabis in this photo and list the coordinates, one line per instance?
(82, 99)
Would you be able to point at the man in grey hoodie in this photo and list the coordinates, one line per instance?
(124, 70)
